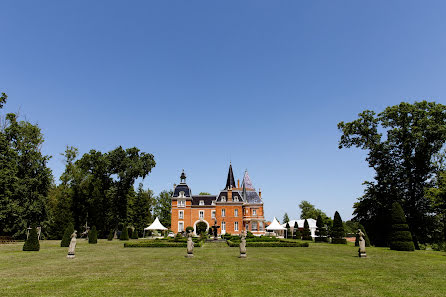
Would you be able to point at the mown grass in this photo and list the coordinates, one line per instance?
(109, 269)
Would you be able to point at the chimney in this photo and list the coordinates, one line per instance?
(260, 193)
(238, 183)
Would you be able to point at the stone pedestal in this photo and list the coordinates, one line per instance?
(242, 256)
(71, 256)
(189, 255)
(362, 254)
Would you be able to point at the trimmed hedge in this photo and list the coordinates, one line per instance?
(161, 243)
(66, 239)
(111, 235)
(135, 234)
(32, 243)
(281, 243)
(124, 234)
(401, 239)
(93, 235)
(339, 240)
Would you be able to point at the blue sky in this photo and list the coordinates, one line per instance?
(201, 83)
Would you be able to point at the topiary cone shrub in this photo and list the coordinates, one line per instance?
(337, 232)
(321, 231)
(93, 235)
(66, 239)
(401, 238)
(367, 241)
(306, 234)
(288, 230)
(134, 234)
(32, 243)
(297, 234)
(111, 235)
(124, 233)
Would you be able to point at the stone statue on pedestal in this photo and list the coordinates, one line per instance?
(243, 245)
(190, 246)
(361, 251)
(72, 247)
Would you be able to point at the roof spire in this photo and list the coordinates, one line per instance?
(230, 182)
(247, 181)
(183, 177)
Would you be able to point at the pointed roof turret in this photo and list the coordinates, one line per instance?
(230, 182)
(183, 177)
(247, 181)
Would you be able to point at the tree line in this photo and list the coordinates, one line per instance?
(96, 189)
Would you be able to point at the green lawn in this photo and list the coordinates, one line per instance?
(109, 269)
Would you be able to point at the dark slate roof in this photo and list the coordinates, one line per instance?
(184, 188)
(234, 194)
(230, 182)
(206, 198)
(253, 197)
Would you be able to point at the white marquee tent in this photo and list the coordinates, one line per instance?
(275, 226)
(300, 223)
(156, 225)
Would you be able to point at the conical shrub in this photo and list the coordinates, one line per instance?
(124, 233)
(32, 243)
(111, 235)
(288, 233)
(67, 235)
(366, 238)
(306, 234)
(93, 235)
(297, 234)
(401, 238)
(337, 232)
(134, 234)
(321, 231)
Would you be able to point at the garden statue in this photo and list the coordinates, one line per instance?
(190, 246)
(243, 245)
(72, 246)
(214, 229)
(361, 251)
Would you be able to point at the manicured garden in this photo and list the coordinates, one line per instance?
(322, 269)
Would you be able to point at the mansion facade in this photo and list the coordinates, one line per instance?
(235, 209)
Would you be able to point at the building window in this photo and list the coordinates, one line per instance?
(181, 203)
(201, 214)
(181, 214)
(260, 226)
(236, 198)
(180, 226)
(213, 202)
(201, 202)
(254, 212)
(254, 226)
(223, 212)
(223, 226)
(213, 214)
(181, 194)
(223, 198)
(236, 212)
(236, 226)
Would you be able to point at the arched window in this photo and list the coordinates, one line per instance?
(223, 198)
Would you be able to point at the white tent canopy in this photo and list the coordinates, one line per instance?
(300, 224)
(156, 225)
(275, 226)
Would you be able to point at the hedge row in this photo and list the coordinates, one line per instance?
(339, 240)
(160, 243)
(280, 243)
(256, 239)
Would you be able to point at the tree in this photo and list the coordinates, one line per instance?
(204, 193)
(66, 239)
(306, 234)
(437, 196)
(124, 233)
(337, 232)
(297, 233)
(201, 227)
(366, 238)
(135, 234)
(288, 230)
(402, 160)
(140, 206)
(163, 207)
(286, 219)
(93, 235)
(309, 211)
(401, 237)
(32, 243)
(24, 176)
(321, 231)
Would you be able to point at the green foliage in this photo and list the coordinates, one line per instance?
(366, 238)
(321, 231)
(140, 207)
(297, 234)
(135, 234)
(401, 237)
(288, 230)
(25, 178)
(32, 243)
(201, 227)
(279, 243)
(286, 219)
(67, 236)
(111, 234)
(164, 243)
(337, 232)
(309, 211)
(226, 236)
(204, 193)
(250, 235)
(189, 229)
(93, 235)
(306, 234)
(163, 207)
(402, 159)
(124, 233)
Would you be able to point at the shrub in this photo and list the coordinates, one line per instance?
(189, 229)
(306, 234)
(366, 238)
(67, 235)
(250, 235)
(130, 232)
(297, 234)
(226, 236)
(134, 234)
(321, 231)
(337, 232)
(93, 235)
(288, 230)
(32, 243)
(111, 235)
(401, 239)
(124, 234)
(201, 227)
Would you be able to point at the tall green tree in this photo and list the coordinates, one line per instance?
(402, 160)
(309, 211)
(140, 209)
(337, 232)
(306, 234)
(286, 219)
(25, 178)
(163, 207)
(401, 239)
(321, 231)
(296, 232)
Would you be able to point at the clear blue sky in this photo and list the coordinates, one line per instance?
(200, 83)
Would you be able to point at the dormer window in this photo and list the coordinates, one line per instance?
(236, 198)
(182, 194)
(213, 202)
(201, 202)
(223, 198)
